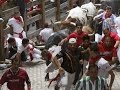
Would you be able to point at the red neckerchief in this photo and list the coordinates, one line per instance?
(26, 1)
(107, 16)
(2, 1)
(49, 55)
(94, 59)
(18, 19)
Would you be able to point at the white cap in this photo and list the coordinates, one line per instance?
(72, 40)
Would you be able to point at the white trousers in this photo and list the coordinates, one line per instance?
(66, 80)
(17, 35)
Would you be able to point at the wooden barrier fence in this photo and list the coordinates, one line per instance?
(41, 17)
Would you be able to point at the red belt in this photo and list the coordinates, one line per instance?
(20, 34)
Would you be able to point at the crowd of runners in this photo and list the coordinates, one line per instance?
(84, 61)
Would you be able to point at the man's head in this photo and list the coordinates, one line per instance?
(79, 27)
(72, 44)
(17, 14)
(106, 32)
(94, 50)
(46, 25)
(107, 41)
(108, 10)
(46, 55)
(25, 42)
(12, 41)
(15, 62)
(93, 71)
(86, 41)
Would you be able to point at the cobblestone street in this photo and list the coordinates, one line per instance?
(37, 74)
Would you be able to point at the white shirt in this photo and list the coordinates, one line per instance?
(18, 42)
(104, 68)
(18, 28)
(117, 22)
(22, 48)
(46, 33)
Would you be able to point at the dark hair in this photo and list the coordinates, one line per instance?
(14, 58)
(106, 37)
(119, 12)
(16, 12)
(10, 40)
(46, 25)
(79, 24)
(108, 8)
(94, 47)
(86, 37)
(92, 66)
(25, 41)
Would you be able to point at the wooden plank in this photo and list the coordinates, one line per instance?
(53, 10)
(70, 4)
(58, 10)
(63, 5)
(43, 13)
(34, 18)
(50, 11)
(2, 55)
(6, 31)
(9, 12)
(33, 33)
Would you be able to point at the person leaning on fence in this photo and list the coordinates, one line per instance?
(15, 77)
(93, 81)
(16, 25)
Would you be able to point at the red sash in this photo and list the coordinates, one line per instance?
(20, 34)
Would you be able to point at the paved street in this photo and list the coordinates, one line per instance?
(37, 74)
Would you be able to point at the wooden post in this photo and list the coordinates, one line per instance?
(43, 12)
(70, 4)
(2, 56)
(80, 2)
(57, 10)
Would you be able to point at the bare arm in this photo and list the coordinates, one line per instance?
(117, 44)
(58, 65)
(62, 41)
(111, 79)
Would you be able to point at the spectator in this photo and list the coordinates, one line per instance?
(16, 24)
(15, 77)
(92, 81)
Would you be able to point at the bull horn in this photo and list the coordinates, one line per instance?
(91, 34)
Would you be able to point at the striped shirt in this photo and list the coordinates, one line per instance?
(86, 84)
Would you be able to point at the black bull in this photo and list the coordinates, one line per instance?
(55, 38)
